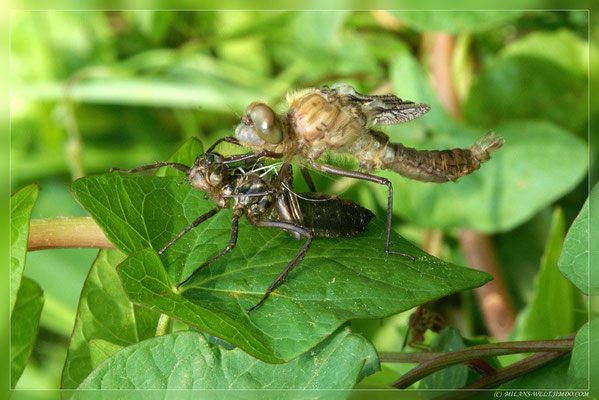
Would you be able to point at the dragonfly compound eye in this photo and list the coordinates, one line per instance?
(266, 123)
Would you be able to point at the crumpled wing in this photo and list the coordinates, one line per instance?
(386, 109)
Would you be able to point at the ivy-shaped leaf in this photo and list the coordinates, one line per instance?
(104, 313)
(185, 360)
(577, 259)
(21, 204)
(24, 324)
(339, 279)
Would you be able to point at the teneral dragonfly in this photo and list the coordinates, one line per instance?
(340, 119)
(243, 185)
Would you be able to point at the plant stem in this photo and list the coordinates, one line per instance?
(163, 325)
(408, 357)
(481, 351)
(66, 232)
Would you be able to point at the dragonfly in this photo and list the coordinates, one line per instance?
(247, 187)
(340, 119)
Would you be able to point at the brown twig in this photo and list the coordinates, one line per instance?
(482, 351)
(493, 298)
(66, 232)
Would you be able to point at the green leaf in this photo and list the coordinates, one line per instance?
(528, 173)
(339, 279)
(21, 204)
(578, 371)
(106, 314)
(185, 360)
(551, 311)
(561, 47)
(205, 92)
(455, 21)
(576, 261)
(552, 94)
(100, 350)
(24, 324)
(551, 376)
(184, 155)
(453, 377)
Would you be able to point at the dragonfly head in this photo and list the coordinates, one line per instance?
(259, 124)
(208, 173)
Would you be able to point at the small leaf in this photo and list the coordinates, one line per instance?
(106, 314)
(24, 324)
(455, 21)
(453, 377)
(100, 350)
(578, 371)
(21, 204)
(576, 261)
(185, 360)
(550, 313)
(531, 170)
(338, 280)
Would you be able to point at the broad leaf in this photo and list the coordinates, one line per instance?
(106, 314)
(21, 204)
(339, 279)
(578, 372)
(577, 260)
(550, 313)
(24, 324)
(528, 173)
(100, 350)
(185, 360)
(455, 21)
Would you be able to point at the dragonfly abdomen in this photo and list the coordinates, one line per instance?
(438, 165)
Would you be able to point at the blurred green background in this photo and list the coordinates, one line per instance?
(91, 90)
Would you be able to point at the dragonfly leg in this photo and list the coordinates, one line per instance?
(227, 139)
(230, 246)
(298, 257)
(174, 165)
(189, 227)
(307, 178)
(370, 178)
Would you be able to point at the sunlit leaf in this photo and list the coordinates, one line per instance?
(185, 360)
(24, 323)
(21, 204)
